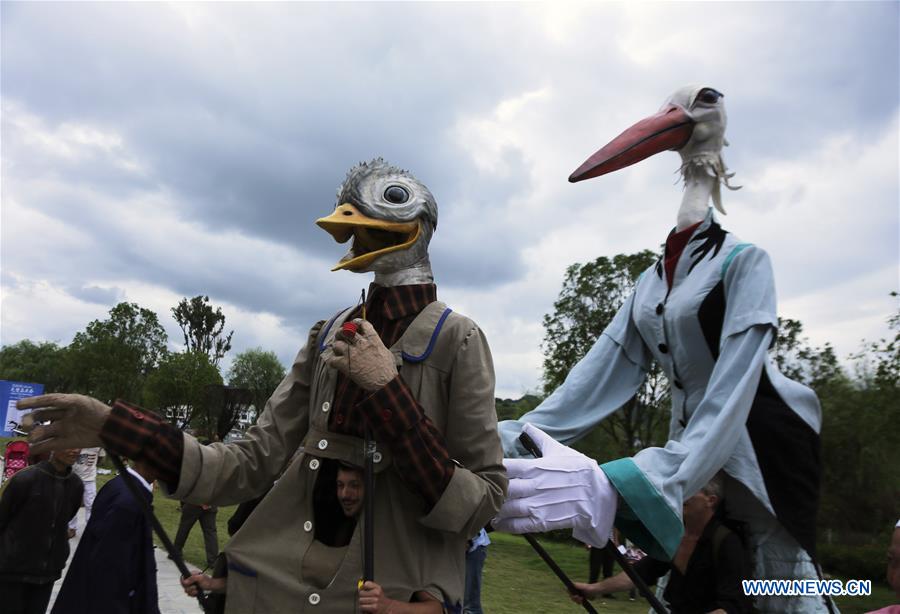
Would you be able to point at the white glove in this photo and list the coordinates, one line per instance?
(564, 489)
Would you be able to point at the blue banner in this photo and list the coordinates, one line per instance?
(10, 392)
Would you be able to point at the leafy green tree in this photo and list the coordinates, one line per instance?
(112, 358)
(44, 363)
(223, 408)
(177, 388)
(203, 327)
(860, 434)
(590, 297)
(510, 409)
(861, 439)
(259, 372)
(885, 355)
(798, 360)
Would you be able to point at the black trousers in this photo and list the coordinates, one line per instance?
(189, 515)
(600, 558)
(25, 598)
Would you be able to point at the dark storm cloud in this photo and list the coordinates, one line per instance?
(187, 148)
(242, 147)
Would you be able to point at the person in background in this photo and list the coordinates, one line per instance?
(34, 513)
(206, 514)
(475, 556)
(86, 468)
(706, 572)
(893, 571)
(602, 559)
(632, 554)
(113, 570)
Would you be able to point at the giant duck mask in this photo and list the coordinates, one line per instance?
(390, 217)
(691, 121)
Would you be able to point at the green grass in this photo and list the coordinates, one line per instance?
(516, 580)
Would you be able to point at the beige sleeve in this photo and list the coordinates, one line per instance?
(478, 486)
(223, 474)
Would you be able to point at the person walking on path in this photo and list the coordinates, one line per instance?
(206, 514)
(34, 543)
(86, 468)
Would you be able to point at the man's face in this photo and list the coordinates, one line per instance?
(67, 457)
(697, 507)
(893, 566)
(350, 490)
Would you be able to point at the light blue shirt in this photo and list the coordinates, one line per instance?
(715, 374)
(479, 540)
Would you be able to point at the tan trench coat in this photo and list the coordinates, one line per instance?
(445, 360)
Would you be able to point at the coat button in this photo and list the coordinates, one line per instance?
(323, 443)
(137, 415)
(326, 406)
(663, 348)
(314, 464)
(314, 599)
(307, 526)
(376, 457)
(660, 309)
(386, 415)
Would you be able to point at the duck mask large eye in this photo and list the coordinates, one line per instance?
(385, 210)
(396, 195)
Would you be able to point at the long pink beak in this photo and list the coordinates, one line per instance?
(671, 128)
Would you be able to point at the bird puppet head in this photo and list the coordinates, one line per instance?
(691, 121)
(390, 217)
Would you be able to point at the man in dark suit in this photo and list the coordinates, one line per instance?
(114, 569)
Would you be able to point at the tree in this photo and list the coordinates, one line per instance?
(885, 355)
(258, 371)
(177, 389)
(590, 297)
(799, 361)
(203, 327)
(45, 363)
(112, 358)
(223, 408)
(860, 437)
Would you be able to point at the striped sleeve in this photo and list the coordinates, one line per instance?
(418, 448)
(140, 434)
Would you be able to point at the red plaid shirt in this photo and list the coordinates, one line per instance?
(393, 413)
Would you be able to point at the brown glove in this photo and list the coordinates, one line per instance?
(362, 357)
(75, 421)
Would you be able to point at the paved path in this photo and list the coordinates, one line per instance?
(172, 599)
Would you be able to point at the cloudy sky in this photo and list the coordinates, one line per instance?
(156, 151)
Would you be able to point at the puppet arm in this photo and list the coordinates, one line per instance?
(458, 473)
(219, 474)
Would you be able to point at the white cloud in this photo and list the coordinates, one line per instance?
(156, 171)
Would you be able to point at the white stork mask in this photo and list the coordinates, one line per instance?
(692, 122)
(391, 216)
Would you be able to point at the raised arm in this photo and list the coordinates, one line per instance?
(219, 474)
